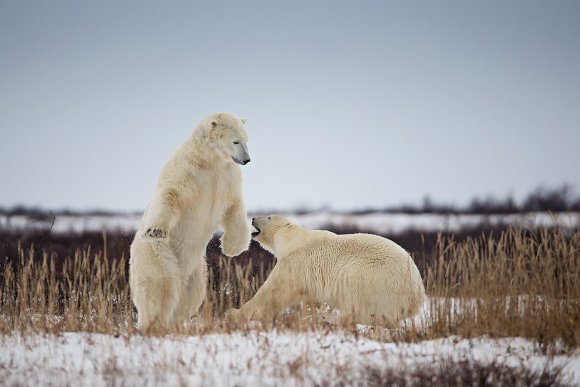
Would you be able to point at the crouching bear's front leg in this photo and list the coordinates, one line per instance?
(281, 290)
(236, 238)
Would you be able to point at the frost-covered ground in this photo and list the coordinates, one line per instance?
(380, 223)
(256, 357)
(249, 358)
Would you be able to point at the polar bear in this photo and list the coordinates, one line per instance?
(370, 279)
(199, 188)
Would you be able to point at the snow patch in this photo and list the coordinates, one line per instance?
(247, 358)
(379, 223)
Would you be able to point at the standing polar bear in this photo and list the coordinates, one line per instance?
(199, 188)
(370, 279)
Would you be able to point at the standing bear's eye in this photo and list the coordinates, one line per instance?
(236, 142)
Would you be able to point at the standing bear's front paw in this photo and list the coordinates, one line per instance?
(232, 247)
(155, 233)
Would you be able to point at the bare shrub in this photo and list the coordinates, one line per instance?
(467, 373)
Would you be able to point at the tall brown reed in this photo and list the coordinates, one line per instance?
(520, 283)
(517, 283)
(85, 292)
(90, 292)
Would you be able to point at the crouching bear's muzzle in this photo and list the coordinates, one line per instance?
(257, 230)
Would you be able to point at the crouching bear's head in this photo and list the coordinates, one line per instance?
(271, 231)
(227, 135)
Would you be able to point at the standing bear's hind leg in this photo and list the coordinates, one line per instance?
(194, 293)
(155, 288)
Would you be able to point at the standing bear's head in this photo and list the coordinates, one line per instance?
(227, 136)
(272, 232)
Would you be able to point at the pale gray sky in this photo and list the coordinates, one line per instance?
(349, 103)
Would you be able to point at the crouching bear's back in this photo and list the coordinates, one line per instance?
(379, 283)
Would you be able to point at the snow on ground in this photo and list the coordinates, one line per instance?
(248, 358)
(380, 223)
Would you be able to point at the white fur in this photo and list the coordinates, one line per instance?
(199, 189)
(370, 279)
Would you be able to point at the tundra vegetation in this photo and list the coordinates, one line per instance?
(484, 281)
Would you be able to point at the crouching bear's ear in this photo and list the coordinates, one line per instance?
(243, 120)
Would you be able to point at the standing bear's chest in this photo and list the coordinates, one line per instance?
(213, 191)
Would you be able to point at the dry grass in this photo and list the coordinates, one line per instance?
(519, 283)
(522, 283)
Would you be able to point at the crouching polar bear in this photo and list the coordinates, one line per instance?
(199, 189)
(370, 279)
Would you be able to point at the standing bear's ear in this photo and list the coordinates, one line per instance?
(243, 120)
(214, 132)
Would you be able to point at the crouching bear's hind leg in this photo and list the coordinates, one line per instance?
(155, 285)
